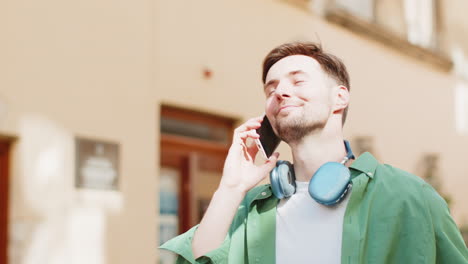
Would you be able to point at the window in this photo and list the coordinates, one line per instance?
(360, 8)
(410, 26)
(413, 19)
(460, 91)
(420, 21)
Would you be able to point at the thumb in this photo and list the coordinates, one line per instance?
(270, 163)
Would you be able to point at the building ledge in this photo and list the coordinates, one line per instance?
(389, 39)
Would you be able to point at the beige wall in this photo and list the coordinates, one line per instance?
(101, 68)
(79, 68)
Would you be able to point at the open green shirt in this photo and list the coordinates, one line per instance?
(392, 217)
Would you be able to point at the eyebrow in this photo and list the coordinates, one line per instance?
(297, 72)
(291, 73)
(270, 82)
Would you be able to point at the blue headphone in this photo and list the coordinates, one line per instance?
(328, 185)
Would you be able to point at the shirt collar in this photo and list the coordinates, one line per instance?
(365, 163)
(260, 193)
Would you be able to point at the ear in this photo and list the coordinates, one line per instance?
(341, 99)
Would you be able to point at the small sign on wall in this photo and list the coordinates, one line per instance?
(96, 164)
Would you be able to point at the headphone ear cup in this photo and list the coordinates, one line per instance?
(330, 183)
(283, 180)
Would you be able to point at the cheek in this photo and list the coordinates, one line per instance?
(319, 99)
(308, 94)
(270, 105)
(315, 92)
(270, 110)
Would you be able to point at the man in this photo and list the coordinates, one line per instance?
(389, 216)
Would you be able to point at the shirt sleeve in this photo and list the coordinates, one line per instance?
(182, 246)
(449, 243)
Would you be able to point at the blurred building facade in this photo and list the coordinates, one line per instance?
(101, 70)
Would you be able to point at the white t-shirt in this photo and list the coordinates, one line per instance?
(306, 231)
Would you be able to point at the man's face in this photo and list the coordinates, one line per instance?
(298, 96)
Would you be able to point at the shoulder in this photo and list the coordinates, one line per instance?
(389, 174)
(405, 187)
(385, 177)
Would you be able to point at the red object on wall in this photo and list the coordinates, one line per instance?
(207, 73)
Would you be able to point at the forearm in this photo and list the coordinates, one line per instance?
(215, 224)
(240, 174)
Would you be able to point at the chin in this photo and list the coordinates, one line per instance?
(290, 119)
(295, 129)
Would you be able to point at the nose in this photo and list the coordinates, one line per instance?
(282, 91)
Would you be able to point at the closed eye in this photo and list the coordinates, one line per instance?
(269, 92)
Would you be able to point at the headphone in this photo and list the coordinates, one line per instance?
(328, 186)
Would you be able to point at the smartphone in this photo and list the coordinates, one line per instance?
(268, 141)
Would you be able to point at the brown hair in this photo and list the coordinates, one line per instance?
(330, 64)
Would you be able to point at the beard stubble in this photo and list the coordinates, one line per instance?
(293, 131)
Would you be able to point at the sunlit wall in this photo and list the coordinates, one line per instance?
(100, 69)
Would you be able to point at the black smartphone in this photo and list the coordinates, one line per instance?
(268, 141)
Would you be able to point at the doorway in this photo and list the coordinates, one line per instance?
(193, 147)
(5, 144)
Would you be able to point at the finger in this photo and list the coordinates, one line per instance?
(239, 144)
(247, 127)
(242, 137)
(252, 123)
(270, 163)
(250, 133)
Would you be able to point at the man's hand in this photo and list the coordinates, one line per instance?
(240, 174)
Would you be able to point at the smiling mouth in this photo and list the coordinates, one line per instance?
(286, 107)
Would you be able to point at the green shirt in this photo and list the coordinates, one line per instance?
(392, 217)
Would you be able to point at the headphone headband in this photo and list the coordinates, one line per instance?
(349, 153)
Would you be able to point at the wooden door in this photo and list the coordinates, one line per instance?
(4, 198)
(194, 144)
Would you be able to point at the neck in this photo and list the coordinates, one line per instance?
(315, 150)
